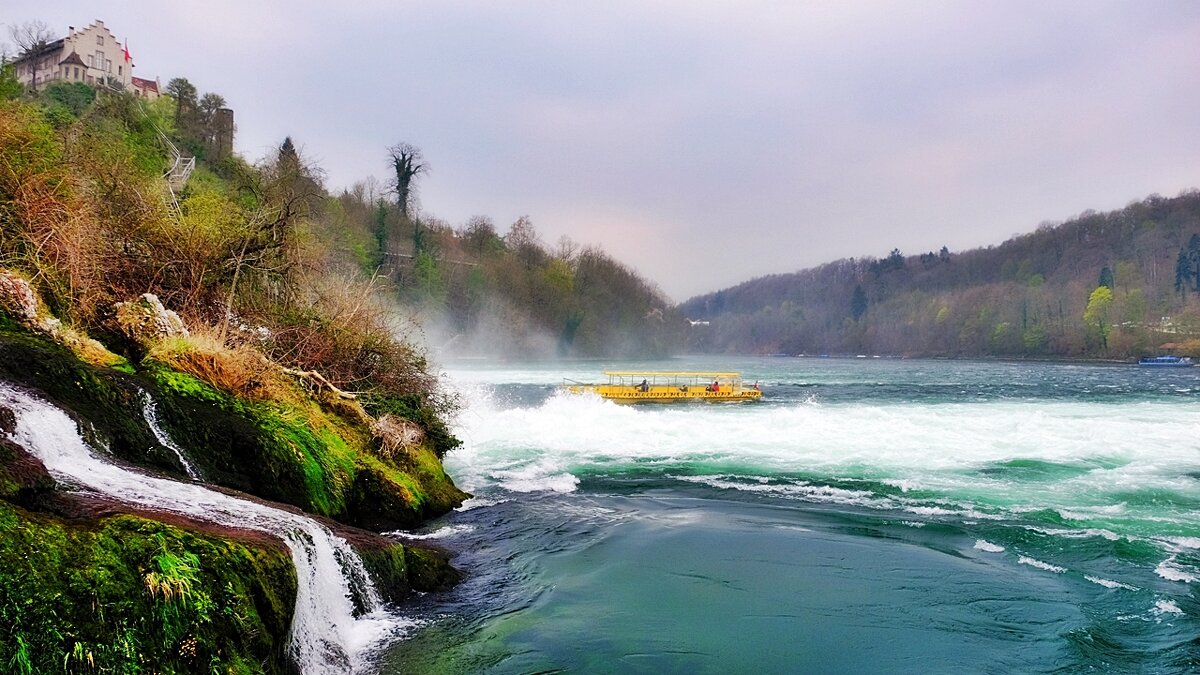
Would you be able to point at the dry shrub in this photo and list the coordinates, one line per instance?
(238, 369)
(345, 332)
(396, 435)
(45, 228)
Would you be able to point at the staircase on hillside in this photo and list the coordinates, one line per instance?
(181, 166)
(179, 172)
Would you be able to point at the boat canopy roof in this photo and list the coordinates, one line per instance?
(652, 373)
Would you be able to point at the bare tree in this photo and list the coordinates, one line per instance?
(30, 36)
(407, 163)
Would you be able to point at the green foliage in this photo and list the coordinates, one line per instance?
(428, 278)
(73, 97)
(10, 87)
(306, 456)
(131, 595)
(1096, 313)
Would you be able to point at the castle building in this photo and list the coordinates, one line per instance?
(92, 56)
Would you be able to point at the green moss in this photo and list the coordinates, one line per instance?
(132, 595)
(399, 569)
(263, 448)
(429, 569)
(306, 456)
(389, 570)
(108, 400)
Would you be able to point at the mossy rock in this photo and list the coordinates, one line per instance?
(267, 449)
(324, 467)
(429, 569)
(255, 447)
(399, 569)
(129, 594)
(23, 479)
(107, 402)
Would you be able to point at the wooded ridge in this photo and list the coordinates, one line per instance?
(1120, 284)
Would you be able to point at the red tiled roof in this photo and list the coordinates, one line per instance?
(144, 84)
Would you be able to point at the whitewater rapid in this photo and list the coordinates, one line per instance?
(1119, 469)
(326, 635)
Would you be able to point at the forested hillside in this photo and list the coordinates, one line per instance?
(1104, 285)
(194, 325)
(477, 292)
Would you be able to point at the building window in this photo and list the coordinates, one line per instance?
(100, 40)
(77, 72)
(108, 66)
(89, 60)
(119, 69)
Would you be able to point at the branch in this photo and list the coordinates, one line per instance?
(319, 380)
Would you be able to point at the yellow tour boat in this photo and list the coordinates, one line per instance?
(669, 387)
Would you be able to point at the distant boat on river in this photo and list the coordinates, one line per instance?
(1165, 362)
(670, 387)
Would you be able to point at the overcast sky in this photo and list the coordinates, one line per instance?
(705, 143)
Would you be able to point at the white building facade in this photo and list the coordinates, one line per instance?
(92, 55)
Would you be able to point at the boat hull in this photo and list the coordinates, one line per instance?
(626, 394)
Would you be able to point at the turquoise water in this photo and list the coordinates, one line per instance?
(871, 515)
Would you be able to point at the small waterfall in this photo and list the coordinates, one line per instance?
(326, 636)
(150, 412)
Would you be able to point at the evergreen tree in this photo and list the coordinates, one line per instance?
(1106, 278)
(1183, 271)
(858, 304)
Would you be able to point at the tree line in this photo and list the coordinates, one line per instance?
(1102, 285)
(480, 291)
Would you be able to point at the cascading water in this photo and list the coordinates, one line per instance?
(150, 413)
(326, 635)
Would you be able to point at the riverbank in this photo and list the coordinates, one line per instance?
(180, 585)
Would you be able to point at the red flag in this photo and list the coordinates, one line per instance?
(128, 58)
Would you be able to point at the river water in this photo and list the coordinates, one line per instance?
(870, 515)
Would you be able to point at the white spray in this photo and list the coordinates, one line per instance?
(326, 636)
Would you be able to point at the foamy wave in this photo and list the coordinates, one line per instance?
(931, 511)
(802, 490)
(1033, 562)
(440, 533)
(943, 449)
(563, 482)
(1182, 543)
(479, 503)
(1091, 512)
(903, 484)
(1166, 607)
(1109, 583)
(1086, 533)
(989, 547)
(1170, 570)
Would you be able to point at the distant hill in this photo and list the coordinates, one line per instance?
(1115, 285)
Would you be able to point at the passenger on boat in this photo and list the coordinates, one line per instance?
(644, 386)
(716, 386)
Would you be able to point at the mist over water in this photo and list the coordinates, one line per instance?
(933, 515)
